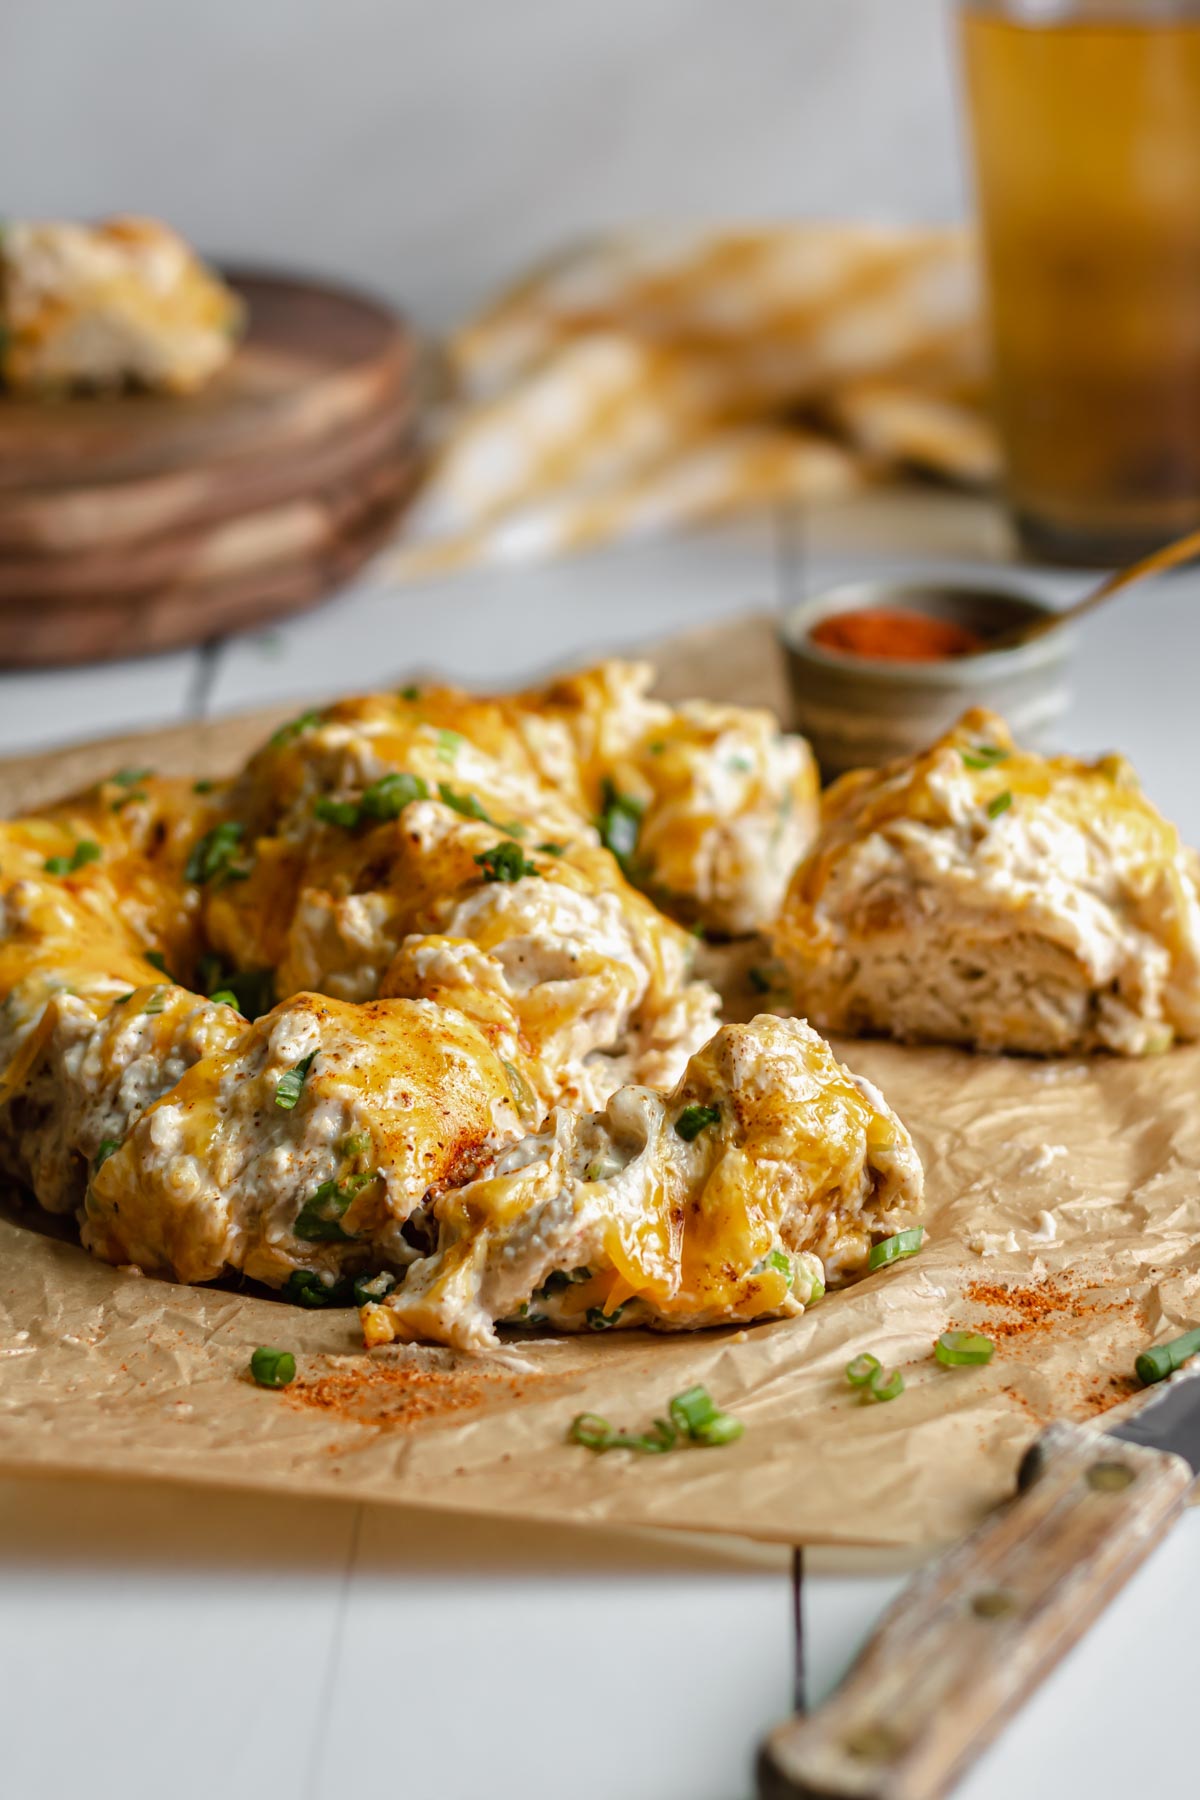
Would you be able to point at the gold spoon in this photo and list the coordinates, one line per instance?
(1168, 557)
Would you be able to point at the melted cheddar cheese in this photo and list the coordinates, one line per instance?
(479, 1050)
(987, 895)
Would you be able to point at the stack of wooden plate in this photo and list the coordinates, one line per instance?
(140, 522)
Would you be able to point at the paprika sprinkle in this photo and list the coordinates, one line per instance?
(894, 634)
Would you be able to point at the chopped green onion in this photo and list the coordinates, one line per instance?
(126, 798)
(692, 1410)
(122, 998)
(780, 1261)
(291, 1083)
(255, 990)
(661, 1437)
(905, 1243)
(108, 1147)
(471, 808)
(387, 797)
(305, 1287)
(550, 849)
(369, 1289)
(252, 990)
(760, 981)
(597, 1434)
(466, 804)
(128, 778)
(449, 744)
(355, 1143)
(696, 1414)
(724, 1429)
(203, 787)
(620, 823)
(590, 1430)
(273, 1368)
(1162, 1360)
(657, 747)
(999, 805)
(156, 1002)
(983, 756)
(960, 1349)
(505, 862)
(344, 813)
(225, 997)
(214, 856)
(695, 1119)
(383, 799)
(694, 1417)
(560, 1281)
(85, 851)
(885, 1387)
(411, 692)
(288, 733)
(318, 1219)
(599, 1320)
(523, 1095)
(158, 961)
(866, 1372)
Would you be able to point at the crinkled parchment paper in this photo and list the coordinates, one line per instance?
(1063, 1220)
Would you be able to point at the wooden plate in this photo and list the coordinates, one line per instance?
(197, 602)
(313, 360)
(256, 533)
(111, 506)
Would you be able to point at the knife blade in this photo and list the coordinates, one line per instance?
(1168, 1418)
(974, 1634)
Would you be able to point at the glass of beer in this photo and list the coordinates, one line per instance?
(1085, 117)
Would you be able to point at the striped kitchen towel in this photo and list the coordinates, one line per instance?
(651, 380)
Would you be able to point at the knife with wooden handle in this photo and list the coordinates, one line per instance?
(972, 1636)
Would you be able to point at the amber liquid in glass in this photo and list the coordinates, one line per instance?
(1087, 153)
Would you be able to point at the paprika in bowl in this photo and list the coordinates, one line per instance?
(879, 669)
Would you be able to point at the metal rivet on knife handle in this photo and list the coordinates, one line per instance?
(1110, 1477)
(993, 1603)
(874, 1743)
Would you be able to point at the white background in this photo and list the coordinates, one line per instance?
(430, 147)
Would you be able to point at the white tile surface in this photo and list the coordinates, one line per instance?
(254, 1648)
(57, 706)
(143, 1631)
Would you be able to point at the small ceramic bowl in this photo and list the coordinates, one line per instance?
(859, 711)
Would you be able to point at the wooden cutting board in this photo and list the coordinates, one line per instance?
(235, 580)
(143, 521)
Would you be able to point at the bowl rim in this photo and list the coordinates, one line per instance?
(798, 617)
